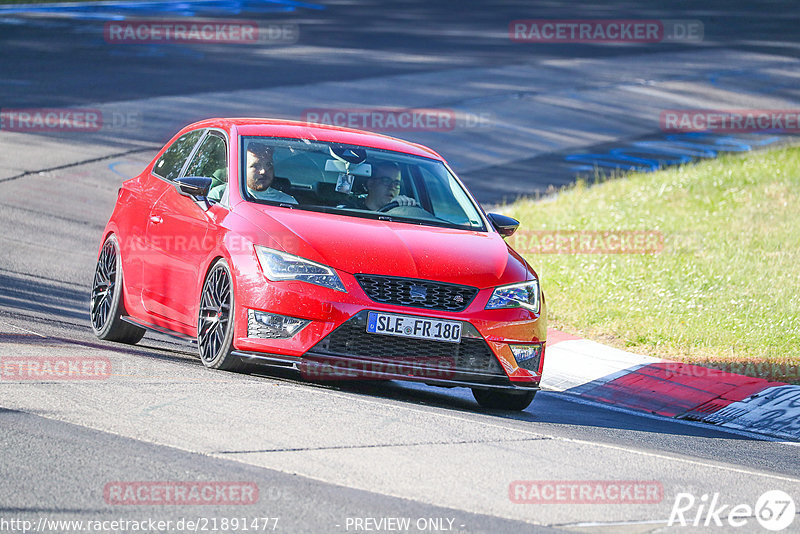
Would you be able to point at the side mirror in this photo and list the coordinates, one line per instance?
(195, 186)
(505, 225)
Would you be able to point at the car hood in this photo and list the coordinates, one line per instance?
(358, 245)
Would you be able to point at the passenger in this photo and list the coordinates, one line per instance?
(219, 185)
(383, 187)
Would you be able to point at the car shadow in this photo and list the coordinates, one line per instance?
(549, 407)
(65, 305)
(28, 293)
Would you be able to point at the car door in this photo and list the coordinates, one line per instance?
(168, 167)
(178, 233)
(141, 258)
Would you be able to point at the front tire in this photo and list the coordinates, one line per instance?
(106, 306)
(215, 320)
(493, 399)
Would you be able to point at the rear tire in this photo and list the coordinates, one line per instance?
(106, 307)
(215, 320)
(493, 399)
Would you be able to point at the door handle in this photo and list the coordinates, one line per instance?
(155, 219)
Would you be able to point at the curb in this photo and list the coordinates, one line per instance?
(600, 373)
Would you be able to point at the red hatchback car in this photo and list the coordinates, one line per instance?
(339, 253)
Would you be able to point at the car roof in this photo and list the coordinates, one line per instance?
(317, 132)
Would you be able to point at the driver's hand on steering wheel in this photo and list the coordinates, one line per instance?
(403, 200)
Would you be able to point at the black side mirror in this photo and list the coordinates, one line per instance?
(195, 186)
(505, 225)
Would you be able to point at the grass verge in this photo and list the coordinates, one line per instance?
(725, 289)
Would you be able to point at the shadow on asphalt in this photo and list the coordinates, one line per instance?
(66, 305)
(547, 407)
(28, 294)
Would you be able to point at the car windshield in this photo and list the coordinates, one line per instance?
(354, 181)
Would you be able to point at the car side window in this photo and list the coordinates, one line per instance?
(210, 160)
(171, 162)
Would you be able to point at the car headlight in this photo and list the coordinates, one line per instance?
(278, 266)
(522, 295)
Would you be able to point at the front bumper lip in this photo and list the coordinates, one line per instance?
(328, 312)
(298, 363)
(350, 356)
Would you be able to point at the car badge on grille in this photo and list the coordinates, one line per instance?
(459, 299)
(418, 292)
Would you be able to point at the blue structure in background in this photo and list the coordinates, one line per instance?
(674, 149)
(193, 8)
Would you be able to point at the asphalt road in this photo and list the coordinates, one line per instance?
(322, 457)
(58, 61)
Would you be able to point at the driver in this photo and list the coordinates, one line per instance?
(383, 187)
(260, 174)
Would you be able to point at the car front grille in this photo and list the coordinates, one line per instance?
(417, 293)
(471, 359)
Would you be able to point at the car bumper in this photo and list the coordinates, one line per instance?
(335, 345)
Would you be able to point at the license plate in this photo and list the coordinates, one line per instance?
(414, 327)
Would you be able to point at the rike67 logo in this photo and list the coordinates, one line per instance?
(774, 510)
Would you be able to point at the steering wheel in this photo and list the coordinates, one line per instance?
(390, 206)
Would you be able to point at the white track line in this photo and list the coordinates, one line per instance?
(23, 329)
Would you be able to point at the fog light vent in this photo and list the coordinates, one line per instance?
(272, 326)
(528, 356)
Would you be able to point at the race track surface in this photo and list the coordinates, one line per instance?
(343, 457)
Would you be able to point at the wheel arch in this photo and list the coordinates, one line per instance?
(110, 230)
(214, 257)
(209, 265)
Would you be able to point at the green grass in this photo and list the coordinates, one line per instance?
(725, 288)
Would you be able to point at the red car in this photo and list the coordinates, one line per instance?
(336, 252)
